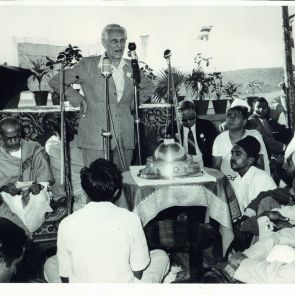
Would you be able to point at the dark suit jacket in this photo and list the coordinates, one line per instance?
(273, 146)
(205, 134)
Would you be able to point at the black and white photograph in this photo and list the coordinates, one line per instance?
(148, 143)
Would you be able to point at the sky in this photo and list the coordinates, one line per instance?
(241, 36)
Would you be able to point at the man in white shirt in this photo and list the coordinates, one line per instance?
(102, 242)
(250, 180)
(236, 120)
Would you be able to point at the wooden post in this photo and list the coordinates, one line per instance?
(288, 68)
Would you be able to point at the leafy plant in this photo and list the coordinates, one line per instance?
(215, 83)
(67, 58)
(147, 70)
(197, 82)
(230, 89)
(161, 90)
(39, 71)
(253, 87)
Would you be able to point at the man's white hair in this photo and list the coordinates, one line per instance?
(112, 27)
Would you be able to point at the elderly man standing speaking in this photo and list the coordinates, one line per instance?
(88, 73)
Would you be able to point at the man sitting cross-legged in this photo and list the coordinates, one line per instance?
(250, 180)
(248, 184)
(12, 246)
(102, 242)
(271, 199)
(272, 258)
(25, 175)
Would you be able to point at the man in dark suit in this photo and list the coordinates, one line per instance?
(197, 135)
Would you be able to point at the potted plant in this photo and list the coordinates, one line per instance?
(161, 90)
(197, 84)
(253, 87)
(216, 86)
(38, 81)
(65, 59)
(230, 90)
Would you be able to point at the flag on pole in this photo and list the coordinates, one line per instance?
(203, 46)
(204, 33)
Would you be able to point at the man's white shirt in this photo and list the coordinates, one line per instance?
(118, 76)
(250, 185)
(101, 243)
(199, 157)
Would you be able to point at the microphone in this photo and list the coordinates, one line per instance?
(132, 53)
(134, 62)
(167, 53)
(106, 69)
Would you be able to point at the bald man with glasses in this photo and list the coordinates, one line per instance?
(197, 134)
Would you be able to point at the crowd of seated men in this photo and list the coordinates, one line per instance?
(100, 242)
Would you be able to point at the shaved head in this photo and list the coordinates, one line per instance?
(10, 130)
(9, 124)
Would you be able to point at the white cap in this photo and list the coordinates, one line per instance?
(240, 103)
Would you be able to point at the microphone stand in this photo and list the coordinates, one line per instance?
(171, 85)
(106, 134)
(65, 159)
(136, 81)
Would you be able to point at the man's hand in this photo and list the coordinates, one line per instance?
(282, 224)
(230, 270)
(35, 188)
(83, 108)
(236, 259)
(11, 189)
(274, 216)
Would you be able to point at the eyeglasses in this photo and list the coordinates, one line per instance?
(188, 119)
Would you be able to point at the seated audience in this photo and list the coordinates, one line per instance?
(197, 134)
(114, 247)
(24, 175)
(277, 112)
(270, 260)
(271, 199)
(12, 246)
(275, 135)
(235, 122)
(237, 102)
(250, 180)
(53, 149)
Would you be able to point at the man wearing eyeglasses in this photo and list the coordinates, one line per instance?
(88, 73)
(197, 134)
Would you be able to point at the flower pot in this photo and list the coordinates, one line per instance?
(220, 106)
(41, 98)
(55, 98)
(201, 106)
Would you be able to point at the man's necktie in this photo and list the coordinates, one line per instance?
(191, 143)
